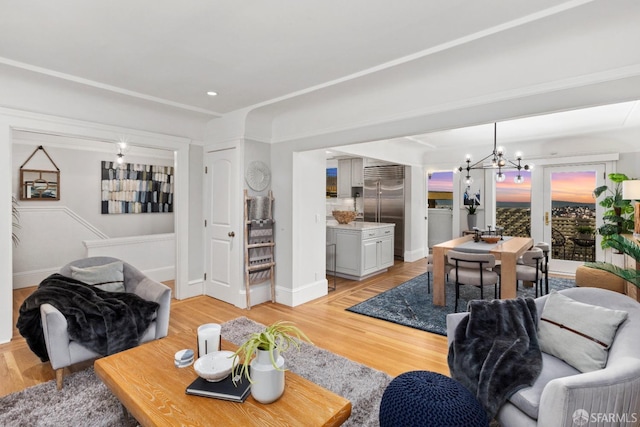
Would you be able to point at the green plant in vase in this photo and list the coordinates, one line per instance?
(280, 336)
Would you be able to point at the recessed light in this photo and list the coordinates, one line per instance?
(212, 93)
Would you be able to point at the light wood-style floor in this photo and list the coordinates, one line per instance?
(376, 343)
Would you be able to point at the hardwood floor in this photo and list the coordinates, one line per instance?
(376, 343)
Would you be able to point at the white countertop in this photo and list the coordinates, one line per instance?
(359, 225)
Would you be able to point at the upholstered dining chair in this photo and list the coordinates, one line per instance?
(531, 269)
(472, 269)
(63, 351)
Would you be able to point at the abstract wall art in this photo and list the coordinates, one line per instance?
(136, 188)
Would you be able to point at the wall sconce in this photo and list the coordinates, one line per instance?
(122, 146)
(631, 191)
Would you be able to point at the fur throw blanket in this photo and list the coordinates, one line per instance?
(495, 350)
(104, 322)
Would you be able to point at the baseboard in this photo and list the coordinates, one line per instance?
(301, 294)
(161, 274)
(411, 256)
(27, 279)
(193, 289)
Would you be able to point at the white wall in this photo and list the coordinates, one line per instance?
(80, 186)
(309, 229)
(52, 231)
(415, 226)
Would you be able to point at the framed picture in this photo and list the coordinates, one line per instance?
(470, 198)
(39, 185)
(132, 188)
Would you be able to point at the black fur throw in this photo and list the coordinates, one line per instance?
(105, 322)
(495, 351)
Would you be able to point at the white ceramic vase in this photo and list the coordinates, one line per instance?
(268, 382)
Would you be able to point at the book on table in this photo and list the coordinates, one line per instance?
(225, 389)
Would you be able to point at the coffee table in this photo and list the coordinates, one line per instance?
(152, 389)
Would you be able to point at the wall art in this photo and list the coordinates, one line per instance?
(136, 188)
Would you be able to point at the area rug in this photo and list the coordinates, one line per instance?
(409, 304)
(86, 401)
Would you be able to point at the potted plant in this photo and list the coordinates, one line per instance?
(584, 232)
(267, 368)
(624, 246)
(618, 216)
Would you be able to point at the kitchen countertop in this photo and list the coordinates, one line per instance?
(358, 225)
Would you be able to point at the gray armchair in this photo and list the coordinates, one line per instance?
(561, 392)
(64, 352)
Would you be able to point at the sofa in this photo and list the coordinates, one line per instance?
(63, 351)
(562, 395)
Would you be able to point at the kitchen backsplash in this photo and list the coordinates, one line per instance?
(344, 204)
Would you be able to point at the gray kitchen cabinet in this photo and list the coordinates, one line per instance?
(362, 249)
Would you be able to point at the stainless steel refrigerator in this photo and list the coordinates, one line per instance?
(384, 200)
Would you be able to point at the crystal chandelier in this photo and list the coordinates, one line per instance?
(498, 161)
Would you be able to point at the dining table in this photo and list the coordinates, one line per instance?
(507, 251)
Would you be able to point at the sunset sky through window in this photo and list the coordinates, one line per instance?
(567, 186)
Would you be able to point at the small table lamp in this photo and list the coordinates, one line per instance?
(631, 191)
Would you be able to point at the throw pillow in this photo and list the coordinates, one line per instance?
(578, 333)
(108, 277)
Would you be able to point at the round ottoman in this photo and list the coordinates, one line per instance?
(423, 398)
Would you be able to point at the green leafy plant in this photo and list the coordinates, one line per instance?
(281, 335)
(471, 209)
(618, 216)
(585, 229)
(627, 247)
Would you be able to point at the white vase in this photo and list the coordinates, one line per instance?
(268, 382)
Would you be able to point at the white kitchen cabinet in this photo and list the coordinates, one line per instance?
(348, 252)
(344, 178)
(362, 248)
(350, 174)
(357, 172)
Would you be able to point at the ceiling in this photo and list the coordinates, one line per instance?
(265, 54)
(175, 52)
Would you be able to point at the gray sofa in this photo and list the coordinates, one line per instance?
(611, 393)
(64, 352)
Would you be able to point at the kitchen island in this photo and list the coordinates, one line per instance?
(361, 249)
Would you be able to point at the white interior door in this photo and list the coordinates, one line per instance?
(222, 236)
(569, 202)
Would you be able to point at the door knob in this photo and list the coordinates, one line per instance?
(231, 234)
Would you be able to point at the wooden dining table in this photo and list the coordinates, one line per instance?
(507, 251)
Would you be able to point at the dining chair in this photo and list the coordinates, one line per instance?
(546, 248)
(472, 269)
(531, 269)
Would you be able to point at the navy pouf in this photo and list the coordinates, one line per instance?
(423, 398)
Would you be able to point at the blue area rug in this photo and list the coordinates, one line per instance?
(409, 304)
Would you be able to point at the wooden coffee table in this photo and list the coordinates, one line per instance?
(152, 389)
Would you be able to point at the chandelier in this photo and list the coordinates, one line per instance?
(498, 161)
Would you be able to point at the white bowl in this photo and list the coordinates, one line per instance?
(215, 366)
